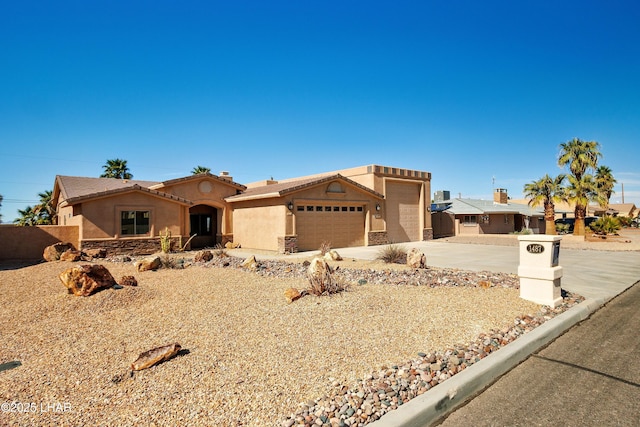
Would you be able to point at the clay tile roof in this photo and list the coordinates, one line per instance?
(197, 176)
(75, 188)
(284, 188)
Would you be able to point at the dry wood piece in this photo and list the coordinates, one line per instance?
(156, 355)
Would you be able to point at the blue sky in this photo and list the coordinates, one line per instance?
(480, 94)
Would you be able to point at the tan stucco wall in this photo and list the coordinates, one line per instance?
(209, 190)
(28, 243)
(259, 223)
(375, 177)
(101, 218)
(258, 227)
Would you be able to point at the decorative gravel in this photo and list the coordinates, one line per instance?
(248, 357)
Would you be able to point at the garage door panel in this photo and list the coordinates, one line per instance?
(403, 212)
(342, 228)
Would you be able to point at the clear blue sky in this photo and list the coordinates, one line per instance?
(479, 93)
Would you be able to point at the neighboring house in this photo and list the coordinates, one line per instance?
(497, 216)
(615, 209)
(562, 209)
(365, 205)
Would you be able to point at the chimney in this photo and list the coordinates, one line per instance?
(500, 196)
(441, 195)
(225, 175)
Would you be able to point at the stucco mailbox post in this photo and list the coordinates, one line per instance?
(539, 271)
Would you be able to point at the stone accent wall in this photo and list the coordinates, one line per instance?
(288, 244)
(378, 238)
(125, 246)
(427, 234)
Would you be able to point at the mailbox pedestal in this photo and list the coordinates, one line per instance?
(538, 270)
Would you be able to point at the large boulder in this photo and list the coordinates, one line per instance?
(416, 259)
(87, 279)
(53, 252)
(319, 268)
(332, 255)
(151, 263)
(71, 255)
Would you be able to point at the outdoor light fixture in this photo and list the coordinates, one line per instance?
(378, 207)
(290, 206)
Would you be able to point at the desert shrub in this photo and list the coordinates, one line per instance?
(562, 228)
(325, 247)
(171, 262)
(220, 251)
(625, 221)
(605, 225)
(323, 282)
(392, 254)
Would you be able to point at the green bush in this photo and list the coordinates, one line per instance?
(605, 225)
(393, 254)
(562, 228)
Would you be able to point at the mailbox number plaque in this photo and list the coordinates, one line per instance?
(535, 248)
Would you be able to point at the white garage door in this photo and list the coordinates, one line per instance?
(403, 212)
(342, 226)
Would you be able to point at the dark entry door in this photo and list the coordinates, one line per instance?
(203, 225)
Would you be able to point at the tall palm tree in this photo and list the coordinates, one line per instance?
(200, 169)
(580, 156)
(546, 191)
(116, 168)
(45, 210)
(580, 192)
(605, 182)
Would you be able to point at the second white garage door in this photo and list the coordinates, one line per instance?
(342, 226)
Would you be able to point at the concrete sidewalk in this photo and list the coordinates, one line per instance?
(599, 276)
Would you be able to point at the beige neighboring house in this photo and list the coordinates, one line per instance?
(361, 206)
(476, 216)
(615, 209)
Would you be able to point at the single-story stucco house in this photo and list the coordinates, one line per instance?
(477, 216)
(361, 206)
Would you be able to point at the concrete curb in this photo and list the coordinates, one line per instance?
(441, 400)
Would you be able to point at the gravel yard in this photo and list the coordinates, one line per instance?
(248, 358)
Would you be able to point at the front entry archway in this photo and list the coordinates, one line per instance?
(204, 222)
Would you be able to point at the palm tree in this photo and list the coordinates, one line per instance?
(45, 210)
(580, 156)
(116, 168)
(28, 217)
(580, 192)
(546, 191)
(605, 182)
(200, 169)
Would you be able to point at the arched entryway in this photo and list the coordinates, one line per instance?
(204, 222)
